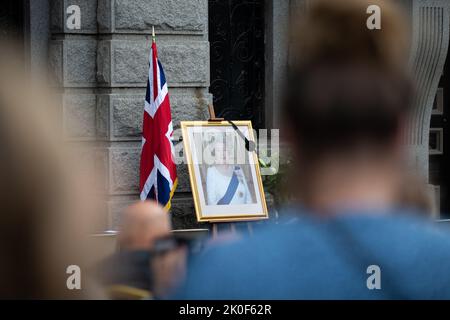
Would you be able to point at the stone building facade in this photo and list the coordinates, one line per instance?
(102, 68)
(101, 71)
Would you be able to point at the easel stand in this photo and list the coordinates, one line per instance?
(215, 229)
(212, 115)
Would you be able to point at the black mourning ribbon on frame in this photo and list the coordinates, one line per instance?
(249, 145)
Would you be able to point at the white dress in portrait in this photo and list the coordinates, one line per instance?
(217, 184)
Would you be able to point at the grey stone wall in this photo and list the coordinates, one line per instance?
(101, 71)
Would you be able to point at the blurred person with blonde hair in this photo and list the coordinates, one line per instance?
(44, 215)
(345, 104)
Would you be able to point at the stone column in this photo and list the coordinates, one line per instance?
(277, 48)
(72, 60)
(429, 20)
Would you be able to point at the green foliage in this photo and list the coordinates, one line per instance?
(276, 183)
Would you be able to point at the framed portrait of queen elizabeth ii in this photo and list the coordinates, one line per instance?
(224, 171)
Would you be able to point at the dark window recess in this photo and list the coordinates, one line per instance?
(434, 141)
(236, 36)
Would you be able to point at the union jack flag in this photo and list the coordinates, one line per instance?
(158, 175)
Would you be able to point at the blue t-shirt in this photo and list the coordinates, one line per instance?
(311, 258)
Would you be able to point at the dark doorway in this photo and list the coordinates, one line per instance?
(236, 36)
(440, 143)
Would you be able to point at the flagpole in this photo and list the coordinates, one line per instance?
(153, 34)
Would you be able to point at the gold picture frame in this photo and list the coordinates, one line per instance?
(249, 203)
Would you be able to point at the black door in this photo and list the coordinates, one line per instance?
(236, 36)
(11, 19)
(440, 143)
